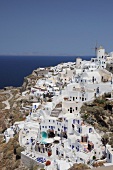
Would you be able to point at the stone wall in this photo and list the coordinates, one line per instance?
(29, 162)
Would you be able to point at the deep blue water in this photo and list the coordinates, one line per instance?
(13, 69)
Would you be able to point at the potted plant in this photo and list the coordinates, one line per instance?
(48, 163)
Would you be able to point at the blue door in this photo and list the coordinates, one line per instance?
(74, 121)
(72, 146)
(79, 130)
(65, 128)
(90, 130)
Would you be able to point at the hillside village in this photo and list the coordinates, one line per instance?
(58, 130)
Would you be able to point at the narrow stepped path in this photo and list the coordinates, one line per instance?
(6, 102)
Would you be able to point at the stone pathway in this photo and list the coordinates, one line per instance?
(6, 102)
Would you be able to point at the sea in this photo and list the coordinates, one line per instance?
(13, 69)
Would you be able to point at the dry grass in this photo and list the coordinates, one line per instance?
(79, 166)
(9, 159)
(2, 105)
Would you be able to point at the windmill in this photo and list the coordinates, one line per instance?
(95, 48)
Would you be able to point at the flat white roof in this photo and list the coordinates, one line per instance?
(68, 115)
(64, 165)
(93, 138)
(56, 138)
(48, 140)
(51, 118)
(83, 155)
(20, 122)
(91, 74)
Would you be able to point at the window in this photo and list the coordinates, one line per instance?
(109, 156)
(53, 121)
(45, 126)
(73, 98)
(79, 130)
(42, 126)
(71, 110)
(76, 108)
(76, 97)
(49, 120)
(81, 159)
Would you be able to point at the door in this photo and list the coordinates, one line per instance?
(71, 110)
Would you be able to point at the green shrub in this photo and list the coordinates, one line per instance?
(19, 150)
(94, 157)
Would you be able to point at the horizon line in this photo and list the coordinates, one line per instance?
(51, 55)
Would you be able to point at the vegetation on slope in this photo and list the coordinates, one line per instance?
(79, 166)
(10, 154)
(109, 67)
(99, 113)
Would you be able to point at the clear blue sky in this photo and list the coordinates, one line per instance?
(55, 27)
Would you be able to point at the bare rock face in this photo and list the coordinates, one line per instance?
(29, 81)
(25, 83)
